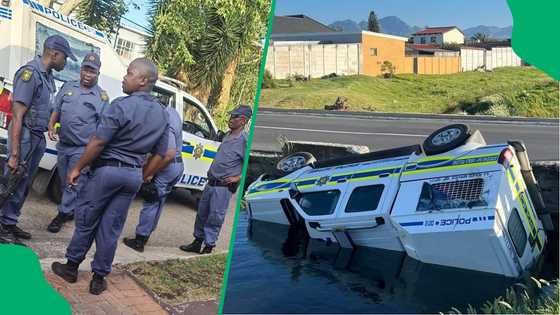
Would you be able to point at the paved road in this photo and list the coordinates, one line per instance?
(175, 228)
(541, 137)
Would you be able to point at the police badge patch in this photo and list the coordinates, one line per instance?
(198, 151)
(104, 96)
(26, 75)
(322, 181)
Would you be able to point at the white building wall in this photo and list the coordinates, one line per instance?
(454, 37)
(130, 43)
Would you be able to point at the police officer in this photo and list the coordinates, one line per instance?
(129, 128)
(33, 89)
(223, 176)
(169, 171)
(77, 107)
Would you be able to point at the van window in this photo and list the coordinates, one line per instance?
(365, 198)
(166, 98)
(452, 195)
(195, 121)
(517, 232)
(320, 202)
(79, 48)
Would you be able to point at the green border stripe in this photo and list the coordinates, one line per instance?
(247, 153)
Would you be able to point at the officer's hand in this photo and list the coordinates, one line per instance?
(232, 179)
(72, 178)
(53, 134)
(148, 179)
(13, 163)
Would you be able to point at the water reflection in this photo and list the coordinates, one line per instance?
(277, 269)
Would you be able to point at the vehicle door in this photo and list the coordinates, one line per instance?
(200, 144)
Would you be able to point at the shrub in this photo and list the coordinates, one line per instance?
(268, 81)
(387, 69)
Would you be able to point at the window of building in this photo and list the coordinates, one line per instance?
(125, 48)
(432, 39)
(365, 198)
(320, 202)
(452, 195)
(517, 232)
(373, 51)
(422, 40)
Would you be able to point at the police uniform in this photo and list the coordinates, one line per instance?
(132, 126)
(79, 110)
(216, 196)
(33, 87)
(163, 180)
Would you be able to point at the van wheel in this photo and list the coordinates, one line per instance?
(295, 161)
(54, 191)
(446, 139)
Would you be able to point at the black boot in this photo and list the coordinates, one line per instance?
(193, 247)
(6, 237)
(58, 221)
(136, 243)
(207, 249)
(16, 231)
(97, 285)
(67, 271)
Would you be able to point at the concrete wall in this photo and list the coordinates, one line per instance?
(314, 60)
(474, 58)
(388, 49)
(437, 65)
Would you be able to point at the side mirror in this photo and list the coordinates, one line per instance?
(294, 192)
(220, 136)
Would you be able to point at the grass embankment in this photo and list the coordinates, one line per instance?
(510, 91)
(179, 281)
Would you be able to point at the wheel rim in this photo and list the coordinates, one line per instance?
(292, 163)
(446, 136)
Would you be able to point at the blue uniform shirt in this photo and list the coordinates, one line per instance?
(175, 131)
(229, 158)
(133, 126)
(79, 111)
(34, 87)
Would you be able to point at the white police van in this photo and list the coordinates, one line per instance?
(453, 201)
(24, 25)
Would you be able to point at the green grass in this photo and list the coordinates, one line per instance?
(178, 281)
(521, 91)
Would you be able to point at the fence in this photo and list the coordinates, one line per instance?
(437, 65)
(475, 58)
(314, 60)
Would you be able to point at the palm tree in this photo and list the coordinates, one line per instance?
(480, 37)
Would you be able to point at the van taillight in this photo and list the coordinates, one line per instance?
(5, 119)
(505, 157)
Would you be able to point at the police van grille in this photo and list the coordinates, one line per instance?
(470, 189)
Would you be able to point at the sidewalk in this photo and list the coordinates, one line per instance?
(123, 295)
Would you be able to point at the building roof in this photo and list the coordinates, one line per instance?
(437, 30)
(294, 24)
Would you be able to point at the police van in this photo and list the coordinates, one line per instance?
(452, 201)
(25, 24)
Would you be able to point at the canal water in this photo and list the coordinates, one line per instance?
(275, 270)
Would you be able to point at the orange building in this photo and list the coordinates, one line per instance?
(378, 47)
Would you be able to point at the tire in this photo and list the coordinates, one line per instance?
(446, 139)
(295, 161)
(54, 191)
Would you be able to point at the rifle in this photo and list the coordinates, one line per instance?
(10, 181)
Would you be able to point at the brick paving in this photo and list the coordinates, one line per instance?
(123, 295)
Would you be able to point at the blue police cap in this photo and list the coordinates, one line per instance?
(242, 110)
(59, 43)
(92, 60)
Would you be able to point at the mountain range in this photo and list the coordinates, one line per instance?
(395, 26)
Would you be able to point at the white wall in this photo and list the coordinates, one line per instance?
(454, 36)
(473, 58)
(136, 37)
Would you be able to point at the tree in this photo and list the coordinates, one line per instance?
(214, 46)
(104, 15)
(480, 37)
(373, 24)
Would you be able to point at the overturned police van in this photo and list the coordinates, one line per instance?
(452, 201)
(25, 24)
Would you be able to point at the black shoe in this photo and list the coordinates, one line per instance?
(207, 249)
(136, 243)
(56, 223)
(67, 271)
(7, 237)
(193, 247)
(97, 285)
(16, 231)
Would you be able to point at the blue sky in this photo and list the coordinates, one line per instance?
(462, 13)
